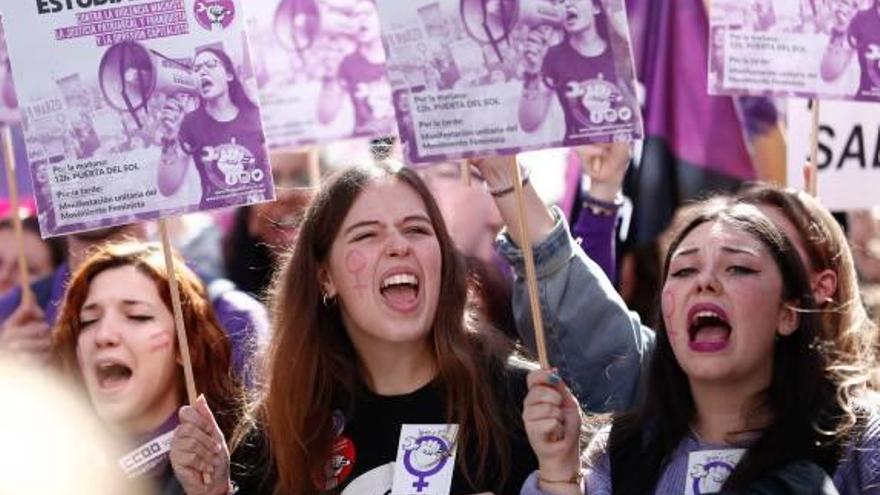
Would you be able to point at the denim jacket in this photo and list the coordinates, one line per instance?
(600, 348)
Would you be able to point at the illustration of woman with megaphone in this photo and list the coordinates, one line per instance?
(359, 76)
(222, 136)
(580, 70)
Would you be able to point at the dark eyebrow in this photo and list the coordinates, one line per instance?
(416, 218)
(365, 223)
(125, 302)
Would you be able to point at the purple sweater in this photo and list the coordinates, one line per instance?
(858, 473)
(244, 318)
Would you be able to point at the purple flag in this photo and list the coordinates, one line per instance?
(695, 142)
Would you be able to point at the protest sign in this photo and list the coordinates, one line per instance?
(8, 102)
(320, 67)
(808, 48)
(848, 159)
(479, 77)
(136, 110)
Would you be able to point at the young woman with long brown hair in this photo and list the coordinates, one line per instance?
(373, 336)
(115, 336)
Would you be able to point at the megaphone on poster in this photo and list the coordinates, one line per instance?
(492, 21)
(129, 74)
(298, 23)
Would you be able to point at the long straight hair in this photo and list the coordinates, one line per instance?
(313, 367)
(806, 416)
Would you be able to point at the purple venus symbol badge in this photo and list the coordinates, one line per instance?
(425, 459)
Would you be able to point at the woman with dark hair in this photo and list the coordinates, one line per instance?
(223, 136)
(115, 336)
(741, 381)
(580, 70)
(372, 337)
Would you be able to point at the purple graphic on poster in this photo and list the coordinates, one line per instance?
(320, 67)
(477, 77)
(809, 48)
(137, 111)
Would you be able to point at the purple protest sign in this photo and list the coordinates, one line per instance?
(136, 111)
(477, 77)
(815, 48)
(320, 66)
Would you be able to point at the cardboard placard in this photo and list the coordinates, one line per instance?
(480, 77)
(816, 48)
(136, 110)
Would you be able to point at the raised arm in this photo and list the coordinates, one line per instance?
(599, 346)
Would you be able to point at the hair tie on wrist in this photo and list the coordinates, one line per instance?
(502, 191)
(608, 205)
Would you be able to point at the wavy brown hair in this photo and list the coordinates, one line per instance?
(313, 367)
(209, 346)
(845, 322)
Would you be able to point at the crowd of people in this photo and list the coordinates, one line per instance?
(388, 296)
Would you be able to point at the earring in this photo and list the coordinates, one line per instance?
(327, 299)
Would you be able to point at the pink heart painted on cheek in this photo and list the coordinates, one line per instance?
(355, 262)
(668, 306)
(160, 341)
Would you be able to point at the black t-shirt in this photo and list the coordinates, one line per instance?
(368, 443)
(229, 156)
(586, 88)
(370, 95)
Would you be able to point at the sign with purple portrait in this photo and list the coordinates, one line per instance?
(136, 110)
(320, 67)
(808, 48)
(477, 77)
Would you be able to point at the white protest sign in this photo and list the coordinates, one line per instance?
(136, 110)
(805, 48)
(849, 152)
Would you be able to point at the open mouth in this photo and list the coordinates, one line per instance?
(570, 16)
(112, 375)
(708, 328)
(205, 84)
(400, 291)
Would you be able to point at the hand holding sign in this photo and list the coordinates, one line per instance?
(26, 334)
(198, 448)
(606, 166)
(552, 420)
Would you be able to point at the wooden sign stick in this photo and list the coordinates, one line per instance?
(466, 173)
(812, 183)
(178, 313)
(314, 167)
(531, 275)
(27, 295)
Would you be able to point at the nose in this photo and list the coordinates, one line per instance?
(707, 281)
(106, 334)
(397, 245)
